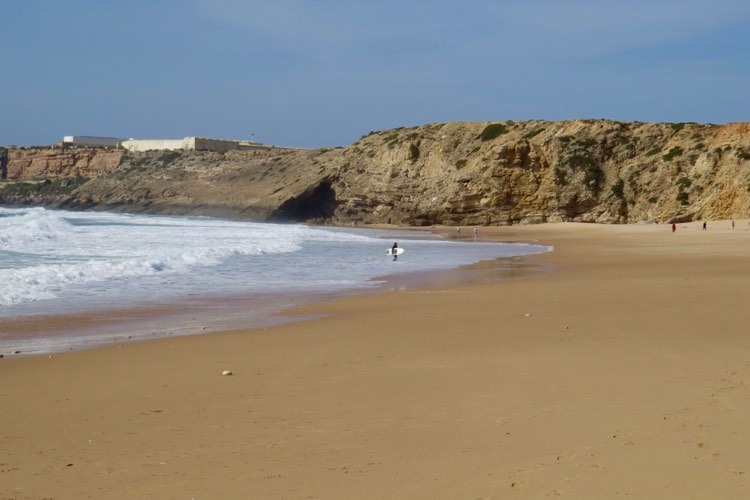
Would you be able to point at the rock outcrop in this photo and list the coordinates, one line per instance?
(45, 163)
(455, 173)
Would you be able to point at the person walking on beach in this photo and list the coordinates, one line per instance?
(394, 249)
(476, 231)
(458, 232)
(674, 227)
(704, 225)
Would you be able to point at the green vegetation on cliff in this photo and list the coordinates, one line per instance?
(493, 131)
(57, 187)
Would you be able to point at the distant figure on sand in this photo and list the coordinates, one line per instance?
(394, 248)
(732, 223)
(674, 227)
(458, 232)
(704, 225)
(476, 231)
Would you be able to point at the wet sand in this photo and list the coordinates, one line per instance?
(55, 333)
(622, 371)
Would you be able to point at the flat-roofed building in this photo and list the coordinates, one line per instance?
(90, 141)
(186, 144)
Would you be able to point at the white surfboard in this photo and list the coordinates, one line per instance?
(399, 251)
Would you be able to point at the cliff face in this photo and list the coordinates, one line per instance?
(58, 163)
(584, 170)
(455, 173)
(256, 185)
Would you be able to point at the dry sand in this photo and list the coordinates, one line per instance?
(621, 372)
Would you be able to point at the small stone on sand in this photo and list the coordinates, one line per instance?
(226, 373)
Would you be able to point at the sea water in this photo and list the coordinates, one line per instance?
(55, 262)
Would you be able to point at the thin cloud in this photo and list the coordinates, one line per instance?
(588, 27)
(340, 25)
(540, 28)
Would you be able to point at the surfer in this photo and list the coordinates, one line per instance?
(394, 250)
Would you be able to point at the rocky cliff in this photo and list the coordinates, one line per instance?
(55, 163)
(454, 173)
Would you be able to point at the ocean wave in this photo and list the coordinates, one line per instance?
(95, 257)
(20, 230)
(81, 248)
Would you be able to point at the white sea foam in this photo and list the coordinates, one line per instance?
(29, 227)
(83, 260)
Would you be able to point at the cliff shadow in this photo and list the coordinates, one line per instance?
(315, 204)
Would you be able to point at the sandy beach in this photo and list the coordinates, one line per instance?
(621, 370)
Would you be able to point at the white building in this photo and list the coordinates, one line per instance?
(186, 144)
(90, 141)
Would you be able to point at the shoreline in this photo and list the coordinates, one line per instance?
(623, 372)
(55, 333)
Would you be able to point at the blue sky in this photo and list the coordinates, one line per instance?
(324, 73)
